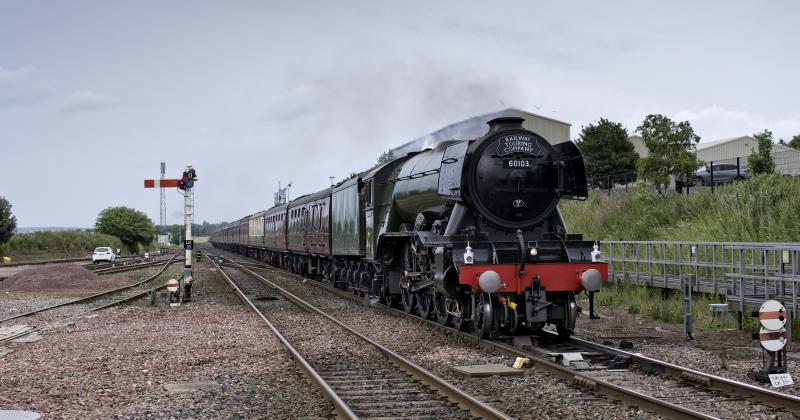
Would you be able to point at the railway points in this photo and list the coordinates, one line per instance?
(468, 234)
(699, 393)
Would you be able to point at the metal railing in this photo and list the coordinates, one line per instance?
(718, 173)
(745, 273)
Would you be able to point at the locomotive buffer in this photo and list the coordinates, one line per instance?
(186, 184)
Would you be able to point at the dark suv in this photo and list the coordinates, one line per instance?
(723, 172)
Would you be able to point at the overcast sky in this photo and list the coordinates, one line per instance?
(93, 95)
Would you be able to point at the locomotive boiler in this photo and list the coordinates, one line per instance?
(468, 233)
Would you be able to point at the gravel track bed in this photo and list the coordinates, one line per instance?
(337, 355)
(698, 398)
(733, 362)
(536, 394)
(12, 304)
(115, 364)
(43, 319)
(6, 271)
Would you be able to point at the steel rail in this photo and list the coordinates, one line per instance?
(443, 387)
(339, 405)
(636, 398)
(65, 321)
(767, 396)
(169, 262)
(56, 261)
(123, 268)
(119, 264)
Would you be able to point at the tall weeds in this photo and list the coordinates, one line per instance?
(762, 209)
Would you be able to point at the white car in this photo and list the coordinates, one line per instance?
(103, 253)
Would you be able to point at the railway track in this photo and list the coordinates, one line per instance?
(660, 387)
(63, 313)
(100, 266)
(58, 261)
(359, 376)
(113, 269)
(118, 263)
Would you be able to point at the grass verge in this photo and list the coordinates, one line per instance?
(762, 209)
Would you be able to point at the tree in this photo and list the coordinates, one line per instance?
(8, 222)
(132, 227)
(760, 161)
(794, 143)
(176, 234)
(607, 151)
(386, 157)
(672, 150)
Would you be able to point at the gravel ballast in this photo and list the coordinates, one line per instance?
(536, 394)
(729, 353)
(120, 363)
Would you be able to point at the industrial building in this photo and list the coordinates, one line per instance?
(787, 160)
(552, 130)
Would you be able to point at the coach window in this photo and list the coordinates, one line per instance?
(314, 218)
(368, 194)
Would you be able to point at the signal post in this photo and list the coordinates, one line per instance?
(186, 184)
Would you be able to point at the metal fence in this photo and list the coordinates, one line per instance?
(611, 183)
(786, 162)
(746, 274)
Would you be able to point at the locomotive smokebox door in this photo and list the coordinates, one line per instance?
(512, 176)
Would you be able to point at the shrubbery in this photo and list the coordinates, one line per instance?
(57, 244)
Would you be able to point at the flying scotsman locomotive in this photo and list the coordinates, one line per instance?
(468, 233)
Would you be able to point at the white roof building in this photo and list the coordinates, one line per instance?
(787, 160)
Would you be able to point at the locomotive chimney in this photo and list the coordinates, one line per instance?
(503, 123)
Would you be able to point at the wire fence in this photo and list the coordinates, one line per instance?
(712, 175)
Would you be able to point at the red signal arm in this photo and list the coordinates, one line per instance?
(161, 183)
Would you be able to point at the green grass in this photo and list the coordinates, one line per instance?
(656, 304)
(52, 245)
(763, 209)
(201, 239)
(668, 306)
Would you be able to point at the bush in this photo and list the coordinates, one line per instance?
(57, 244)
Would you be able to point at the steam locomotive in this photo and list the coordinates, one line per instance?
(468, 233)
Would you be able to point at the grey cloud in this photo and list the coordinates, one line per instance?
(266, 92)
(18, 88)
(7, 74)
(84, 100)
(24, 97)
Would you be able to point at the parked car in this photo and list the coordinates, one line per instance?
(103, 253)
(723, 172)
